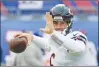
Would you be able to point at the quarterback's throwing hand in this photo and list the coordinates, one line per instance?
(28, 36)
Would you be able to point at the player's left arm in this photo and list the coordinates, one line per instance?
(74, 42)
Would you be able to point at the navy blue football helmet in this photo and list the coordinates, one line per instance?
(61, 12)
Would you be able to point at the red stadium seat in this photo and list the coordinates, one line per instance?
(3, 9)
(87, 6)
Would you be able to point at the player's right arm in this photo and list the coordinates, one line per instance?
(41, 42)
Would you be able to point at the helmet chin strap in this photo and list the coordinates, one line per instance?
(67, 30)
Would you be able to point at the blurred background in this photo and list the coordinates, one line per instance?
(30, 16)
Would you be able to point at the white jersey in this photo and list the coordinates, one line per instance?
(10, 59)
(74, 50)
(92, 48)
(32, 56)
(49, 50)
(48, 47)
(71, 50)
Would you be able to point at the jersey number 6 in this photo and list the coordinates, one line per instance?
(52, 56)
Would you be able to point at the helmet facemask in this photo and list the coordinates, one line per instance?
(65, 19)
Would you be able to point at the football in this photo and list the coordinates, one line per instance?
(18, 45)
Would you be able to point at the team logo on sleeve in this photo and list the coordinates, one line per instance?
(79, 37)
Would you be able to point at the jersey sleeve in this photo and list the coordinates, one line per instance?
(74, 42)
(41, 42)
(79, 37)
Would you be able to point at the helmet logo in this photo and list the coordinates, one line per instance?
(70, 11)
(58, 18)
